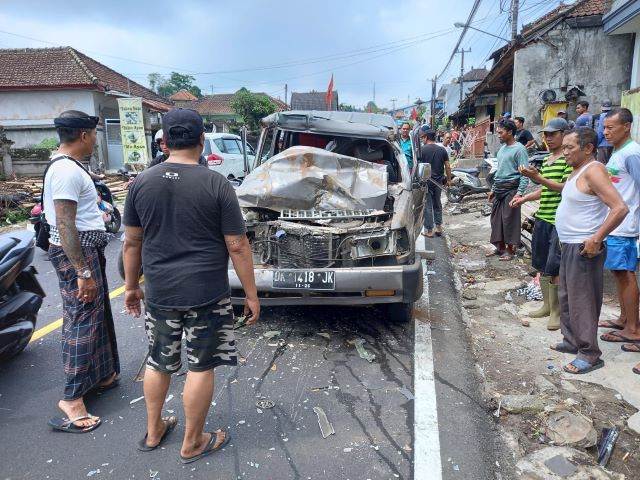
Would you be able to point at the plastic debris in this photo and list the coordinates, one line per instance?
(364, 354)
(324, 335)
(531, 292)
(328, 387)
(607, 441)
(346, 450)
(265, 404)
(153, 474)
(508, 297)
(136, 400)
(406, 392)
(169, 398)
(93, 472)
(240, 322)
(325, 426)
(271, 334)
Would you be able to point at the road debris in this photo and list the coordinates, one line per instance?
(571, 429)
(271, 334)
(135, 400)
(362, 352)
(324, 335)
(531, 292)
(169, 398)
(93, 472)
(406, 392)
(607, 441)
(325, 426)
(241, 321)
(328, 387)
(265, 404)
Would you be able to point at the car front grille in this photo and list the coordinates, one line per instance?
(306, 251)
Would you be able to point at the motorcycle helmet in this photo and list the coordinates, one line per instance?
(158, 136)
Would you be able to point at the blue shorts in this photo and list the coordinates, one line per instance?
(622, 253)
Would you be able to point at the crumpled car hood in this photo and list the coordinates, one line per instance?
(306, 178)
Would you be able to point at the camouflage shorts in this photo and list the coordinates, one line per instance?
(208, 333)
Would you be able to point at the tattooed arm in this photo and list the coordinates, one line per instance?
(70, 239)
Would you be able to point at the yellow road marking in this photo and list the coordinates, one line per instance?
(47, 329)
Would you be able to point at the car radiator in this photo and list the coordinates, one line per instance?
(307, 251)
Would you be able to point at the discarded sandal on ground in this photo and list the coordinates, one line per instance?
(615, 337)
(170, 423)
(69, 426)
(209, 449)
(583, 366)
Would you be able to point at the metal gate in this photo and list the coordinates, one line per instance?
(115, 155)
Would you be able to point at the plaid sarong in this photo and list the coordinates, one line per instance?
(89, 348)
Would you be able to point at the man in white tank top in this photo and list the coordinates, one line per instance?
(622, 252)
(590, 209)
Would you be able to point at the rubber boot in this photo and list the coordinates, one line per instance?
(544, 310)
(554, 307)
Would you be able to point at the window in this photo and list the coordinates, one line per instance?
(231, 145)
(207, 147)
(218, 142)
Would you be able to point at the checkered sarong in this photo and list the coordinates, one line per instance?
(91, 238)
(89, 348)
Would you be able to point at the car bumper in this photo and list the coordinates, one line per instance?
(351, 285)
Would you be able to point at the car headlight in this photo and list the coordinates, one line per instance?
(374, 244)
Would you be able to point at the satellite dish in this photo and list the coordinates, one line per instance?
(548, 96)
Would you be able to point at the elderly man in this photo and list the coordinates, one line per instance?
(78, 238)
(590, 209)
(508, 184)
(545, 246)
(185, 250)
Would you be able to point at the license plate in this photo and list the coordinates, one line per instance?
(304, 279)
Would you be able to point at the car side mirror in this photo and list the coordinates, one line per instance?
(424, 172)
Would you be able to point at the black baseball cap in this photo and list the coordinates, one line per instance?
(182, 123)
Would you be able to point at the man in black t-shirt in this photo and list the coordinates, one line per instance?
(522, 134)
(182, 223)
(438, 158)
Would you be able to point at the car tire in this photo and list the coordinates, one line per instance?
(399, 312)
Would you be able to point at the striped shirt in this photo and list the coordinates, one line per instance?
(557, 172)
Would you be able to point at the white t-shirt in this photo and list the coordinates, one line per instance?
(65, 180)
(624, 172)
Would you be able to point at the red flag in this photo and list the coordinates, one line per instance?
(414, 114)
(329, 94)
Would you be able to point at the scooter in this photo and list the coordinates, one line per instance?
(466, 181)
(20, 292)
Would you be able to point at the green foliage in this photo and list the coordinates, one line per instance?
(48, 143)
(15, 215)
(168, 86)
(348, 108)
(252, 107)
(471, 121)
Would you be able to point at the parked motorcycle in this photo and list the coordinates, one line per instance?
(467, 181)
(20, 292)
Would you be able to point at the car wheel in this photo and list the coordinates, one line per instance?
(399, 312)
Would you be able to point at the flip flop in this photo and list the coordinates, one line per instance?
(506, 257)
(209, 449)
(609, 324)
(633, 348)
(636, 370)
(142, 444)
(563, 347)
(68, 425)
(618, 338)
(583, 366)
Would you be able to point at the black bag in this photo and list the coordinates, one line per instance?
(42, 228)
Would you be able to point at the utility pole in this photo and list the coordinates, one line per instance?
(393, 102)
(433, 102)
(514, 20)
(211, 89)
(462, 51)
(286, 91)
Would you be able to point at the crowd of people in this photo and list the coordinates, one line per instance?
(588, 220)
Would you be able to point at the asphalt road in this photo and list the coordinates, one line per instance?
(369, 404)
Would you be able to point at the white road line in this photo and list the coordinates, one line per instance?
(427, 464)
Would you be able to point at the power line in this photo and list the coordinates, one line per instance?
(474, 9)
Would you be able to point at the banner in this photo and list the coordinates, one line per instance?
(631, 100)
(134, 142)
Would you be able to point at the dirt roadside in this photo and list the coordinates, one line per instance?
(524, 381)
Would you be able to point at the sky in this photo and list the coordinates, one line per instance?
(262, 45)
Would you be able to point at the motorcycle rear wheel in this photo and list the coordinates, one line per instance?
(116, 222)
(21, 344)
(454, 194)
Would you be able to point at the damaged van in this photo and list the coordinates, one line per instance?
(332, 213)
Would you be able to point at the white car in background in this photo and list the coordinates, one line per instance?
(224, 154)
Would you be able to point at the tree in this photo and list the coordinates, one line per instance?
(252, 107)
(348, 108)
(168, 86)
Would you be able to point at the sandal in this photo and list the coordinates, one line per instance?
(506, 257)
(495, 253)
(582, 366)
(614, 336)
(609, 324)
(170, 424)
(68, 424)
(631, 347)
(636, 370)
(210, 448)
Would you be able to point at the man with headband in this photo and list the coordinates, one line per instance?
(77, 241)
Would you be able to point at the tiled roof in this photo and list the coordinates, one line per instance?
(65, 67)
(313, 101)
(183, 96)
(475, 75)
(220, 104)
(581, 8)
